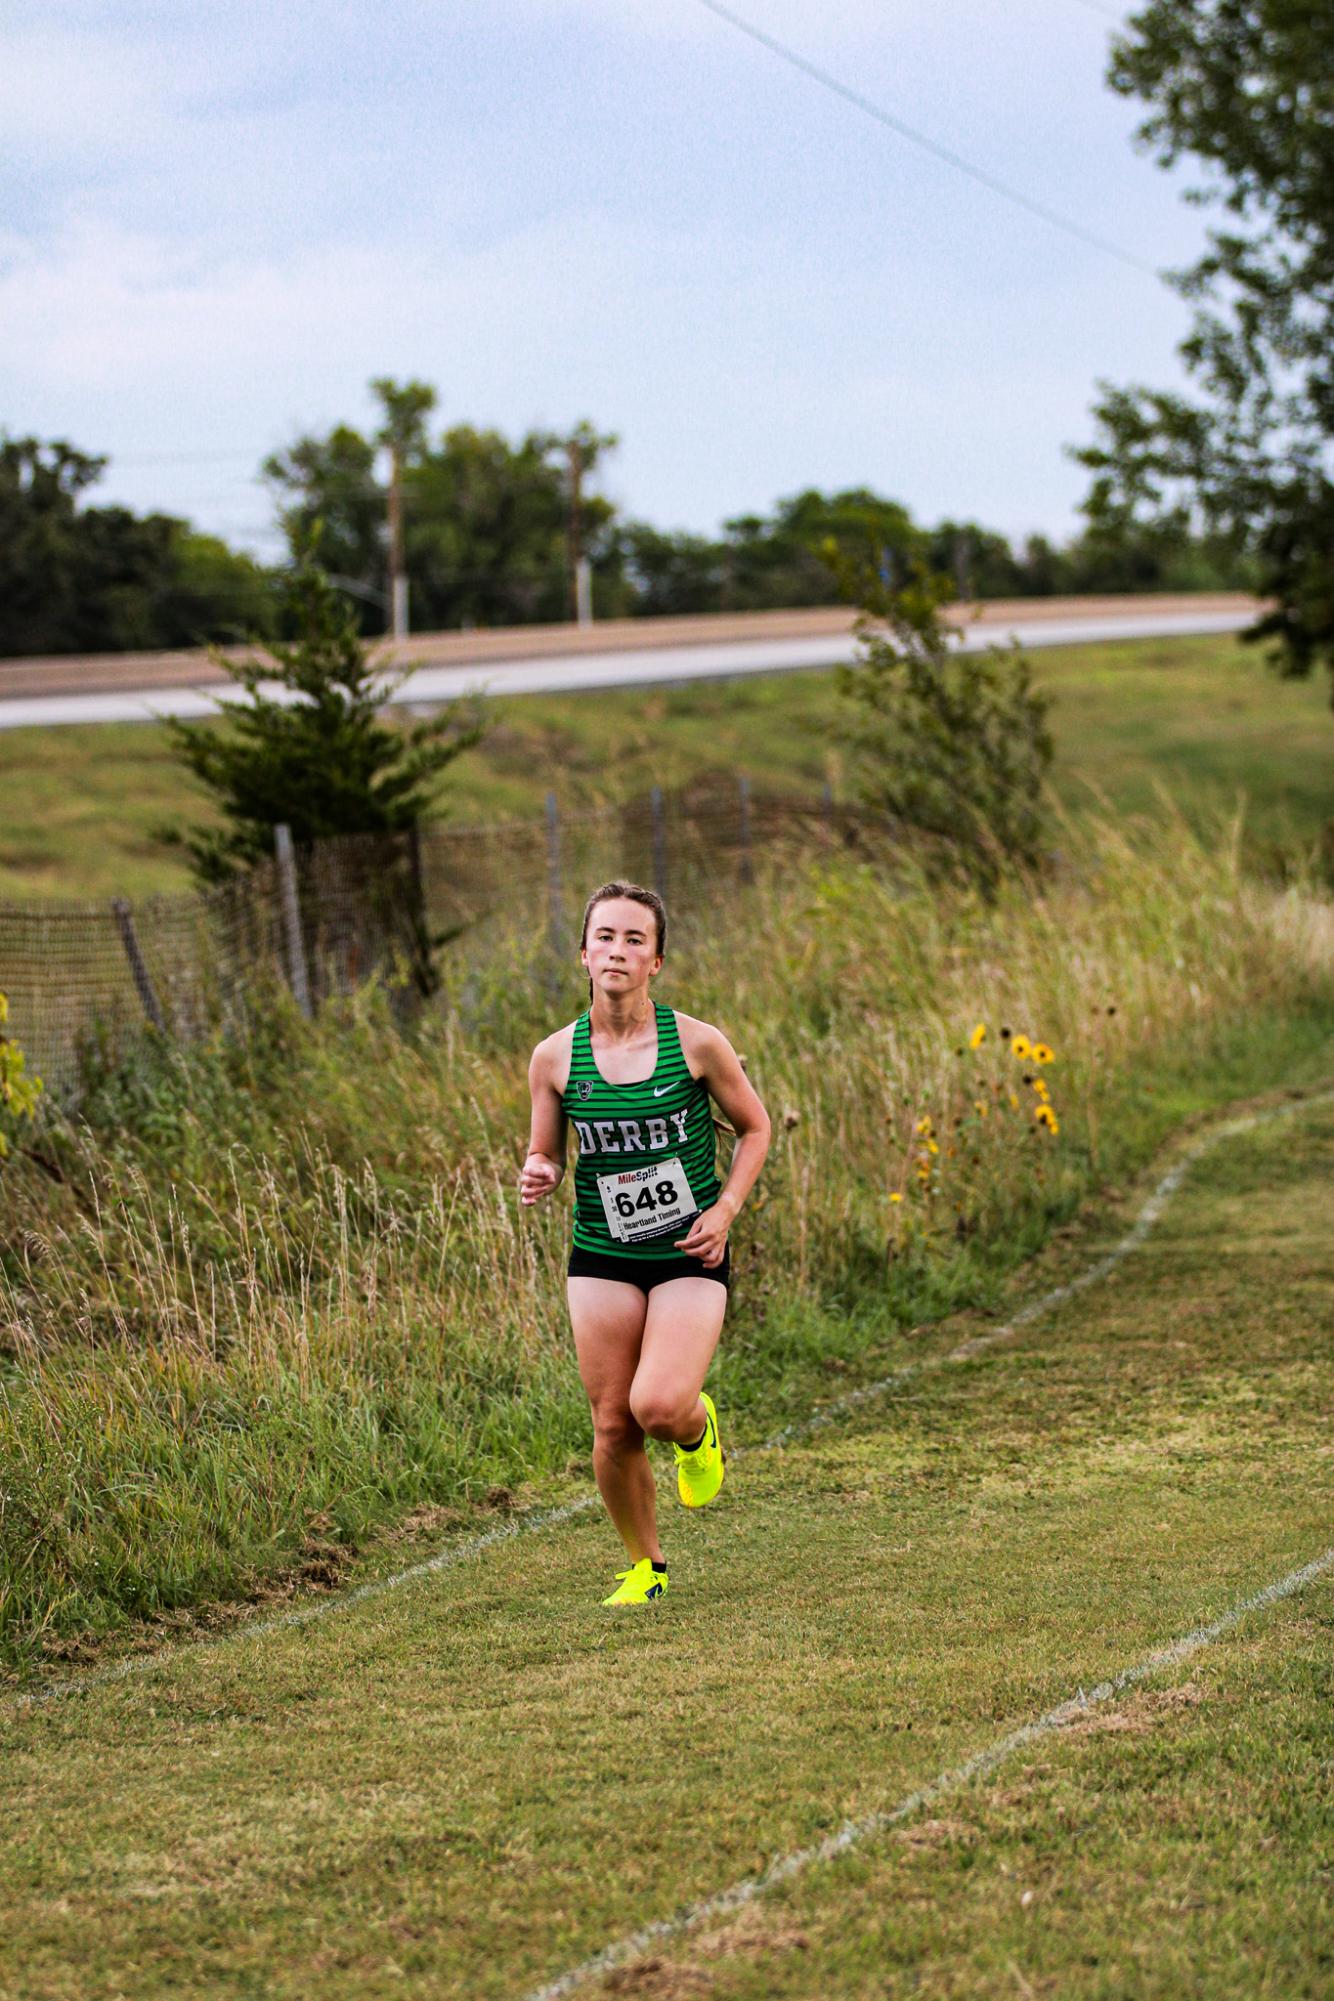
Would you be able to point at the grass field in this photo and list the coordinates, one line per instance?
(1201, 715)
(477, 1782)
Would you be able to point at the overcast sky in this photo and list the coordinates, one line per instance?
(217, 221)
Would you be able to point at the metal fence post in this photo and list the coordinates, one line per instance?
(419, 917)
(659, 843)
(296, 951)
(555, 904)
(125, 925)
(747, 865)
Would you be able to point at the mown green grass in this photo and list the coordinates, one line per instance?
(1201, 715)
(471, 1783)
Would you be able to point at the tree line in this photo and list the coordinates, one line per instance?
(491, 530)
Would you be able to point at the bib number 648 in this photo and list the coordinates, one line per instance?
(663, 1196)
(647, 1201)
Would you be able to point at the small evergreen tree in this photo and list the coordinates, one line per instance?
(949, 742)
(323, 763)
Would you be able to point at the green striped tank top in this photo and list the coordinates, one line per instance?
(631, 1137)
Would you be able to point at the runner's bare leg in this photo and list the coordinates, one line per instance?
(608, 1317)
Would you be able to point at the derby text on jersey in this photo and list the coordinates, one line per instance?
(647, 1152)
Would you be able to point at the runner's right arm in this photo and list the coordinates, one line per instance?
(548, 1134)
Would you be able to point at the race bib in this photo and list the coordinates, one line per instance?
(646, 1201)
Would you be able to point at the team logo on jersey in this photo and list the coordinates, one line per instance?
(585, 1089)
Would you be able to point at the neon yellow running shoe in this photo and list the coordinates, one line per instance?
(642, 1584)
(699, 1474)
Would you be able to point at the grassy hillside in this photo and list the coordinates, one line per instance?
(1200, 715)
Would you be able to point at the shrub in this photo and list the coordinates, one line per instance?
(953, 744)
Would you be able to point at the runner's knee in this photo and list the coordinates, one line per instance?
(617, 1429)
(660, 1411)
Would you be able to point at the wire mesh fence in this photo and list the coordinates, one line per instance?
(327, 916)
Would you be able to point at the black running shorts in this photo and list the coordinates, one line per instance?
(647, 1272)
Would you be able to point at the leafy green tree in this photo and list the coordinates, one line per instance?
(488, 530)
(952, 743)
(668, 574)
(406, 406)
(1042, 569)
(209, 591)
(39, 543)
(324, 763)
(79, 579)
(486, 524)
(334, 505)
(781, 561)
(1247, 88)
(981, 562)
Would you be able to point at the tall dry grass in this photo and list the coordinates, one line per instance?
(288, 1277)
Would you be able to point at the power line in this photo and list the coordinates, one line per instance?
(887, 118)
(1108, 13)
(174, 458)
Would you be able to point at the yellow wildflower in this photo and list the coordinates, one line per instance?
(1021, 1046)
(1040, 1087)
(923, 1124)
(931, 1146)
(1014, 1102)
(1041, 1053)
(978, 1036)
(1045, 1115)
(980, 1105)
(896, 1198)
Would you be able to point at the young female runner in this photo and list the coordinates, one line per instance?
(649, 1271)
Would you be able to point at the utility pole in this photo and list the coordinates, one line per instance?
(582, 449)
(574, 531)
(398, 576)
(962, 550)
(405, 406)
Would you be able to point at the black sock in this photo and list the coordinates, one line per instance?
(656, 1564)
(698, 1442)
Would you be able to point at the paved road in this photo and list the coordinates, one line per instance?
(607, 665)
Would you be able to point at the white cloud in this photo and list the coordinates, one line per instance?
(551, 210)
(726, 389)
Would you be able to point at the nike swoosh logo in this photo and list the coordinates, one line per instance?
(661, 1088)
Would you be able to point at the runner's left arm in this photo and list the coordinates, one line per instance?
(717, 1064)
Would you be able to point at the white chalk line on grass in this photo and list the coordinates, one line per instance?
(137, 1664)
(853, 1832)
